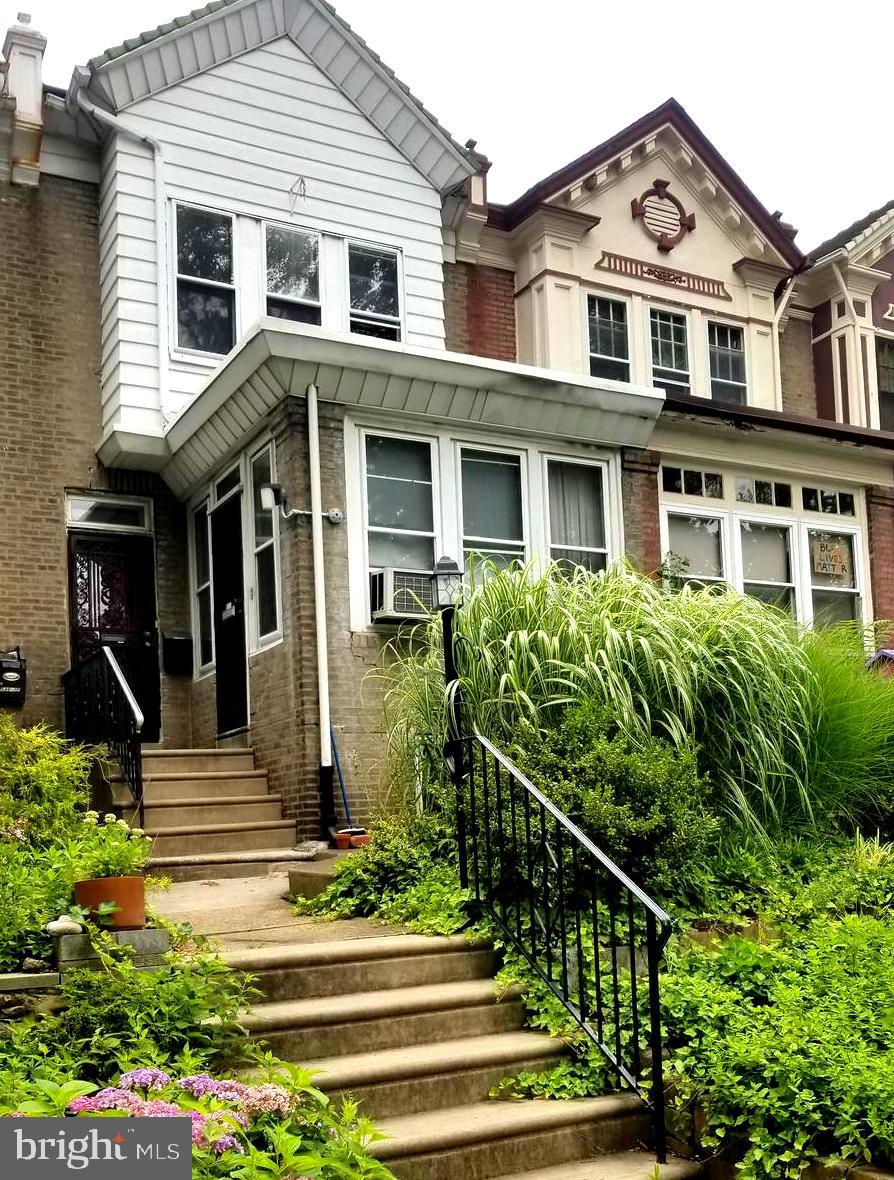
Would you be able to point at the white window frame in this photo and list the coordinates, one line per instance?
(178, 350)
(145, 529)
(799, 520)
(321, 269)
(256, 641)
(447, 494)
(200, 670)
(713, 510)
(685, 314)
(400, 322)
(741, 327)
(603, 467)
(612, 297)
(523, 491)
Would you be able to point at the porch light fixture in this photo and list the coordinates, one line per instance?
(446, 583)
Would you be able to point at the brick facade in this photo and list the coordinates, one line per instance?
(880, 514)
(479, 310)
(639, 493)
(796, 358)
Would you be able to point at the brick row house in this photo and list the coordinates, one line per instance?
(239, 254)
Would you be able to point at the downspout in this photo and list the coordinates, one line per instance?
(327, 794)
(161, 269)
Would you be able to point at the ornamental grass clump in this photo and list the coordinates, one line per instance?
(705, 669)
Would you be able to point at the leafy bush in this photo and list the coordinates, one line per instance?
(44, 783)
(645, 806)
(110, 849)
(708, 669)
(34, 887)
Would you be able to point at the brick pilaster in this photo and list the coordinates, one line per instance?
(639, 490)
(880, 514)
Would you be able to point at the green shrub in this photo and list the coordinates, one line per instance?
(44, 783)
(34, 888)
(644, 805)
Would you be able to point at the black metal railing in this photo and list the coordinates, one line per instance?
(100, 708)
(591, 934)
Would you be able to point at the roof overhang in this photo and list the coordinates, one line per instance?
(278, 359)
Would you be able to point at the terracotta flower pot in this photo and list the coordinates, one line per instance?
(346, 837)
(359, 841)
(128, 893)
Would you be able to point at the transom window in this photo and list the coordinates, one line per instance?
(492, 507)
(688, 481)
(293, 274)
(374, 292)
(763, 491)
(576, 514)
(206, 293)
(670, 351)
(828, 500)
(609, 345)
(884, 354)
(726, 349)
(108, 513)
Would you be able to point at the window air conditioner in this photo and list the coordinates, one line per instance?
(399, 594)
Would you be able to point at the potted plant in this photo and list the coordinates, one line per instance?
(108, 862)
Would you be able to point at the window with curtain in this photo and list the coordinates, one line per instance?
(609, 348)
(576, 514)
(726, 349)
(697, 541)
(202, 561)
(206, 292)
(399, 504)
(670, 351)
(264, 542)
(767, 563)
(884, 355)
(493, 527)
(293, 274)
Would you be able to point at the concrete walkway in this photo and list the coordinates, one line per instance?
(251, 912)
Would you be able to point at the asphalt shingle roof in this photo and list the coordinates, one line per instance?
(839, 240)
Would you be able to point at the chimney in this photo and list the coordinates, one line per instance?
(23, 50)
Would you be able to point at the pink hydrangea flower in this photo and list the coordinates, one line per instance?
(156, 1109)
(227, 1143)
(267, 1099)
(201, 1085)
(112, 1098)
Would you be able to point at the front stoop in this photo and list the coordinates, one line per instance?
(210, 814)
(415, 1029)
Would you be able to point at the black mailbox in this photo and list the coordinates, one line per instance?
(176, 653)
(13, 675)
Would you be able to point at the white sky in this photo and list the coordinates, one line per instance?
(791, 97)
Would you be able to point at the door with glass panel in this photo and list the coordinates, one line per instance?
(228, 599)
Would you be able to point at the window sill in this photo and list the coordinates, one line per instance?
(266, 645)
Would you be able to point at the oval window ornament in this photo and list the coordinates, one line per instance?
(663, 216)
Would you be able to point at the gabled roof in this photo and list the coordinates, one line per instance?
(847, 236)
(669, 114)
(223, 29)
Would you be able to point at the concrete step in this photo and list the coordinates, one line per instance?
(298, 955)
(223, 837)
(329, 1026)
(157, 761)
(177, 813)
(431, 1077)
(162, 788)
(621, 1165)
(209, 866)
(301, 982)
(490, 1139)
(309, 880)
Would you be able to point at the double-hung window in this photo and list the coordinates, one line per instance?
(293, 274)
(670, 351)
(206, 292)
(266, 619)
(884, 353)
(201, 539)
(726, 351)
(833, 582)
(767, 566)
(696, 541)
(576, 514)
(609, 345)
(492, 517)
(374, 292)
(400, 504)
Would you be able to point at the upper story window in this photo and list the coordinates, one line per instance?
(374, 292)
(293, 274)
(609, 345)
(493, 526)
(884, 353)
(670, 351)
(576, 514)
(726, 349)
(206, 293)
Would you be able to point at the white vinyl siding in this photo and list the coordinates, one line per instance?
(237, 139)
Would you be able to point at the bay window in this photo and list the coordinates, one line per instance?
(206, 292)
(374, 292)
(609, 345)
(492, 507)
(670, 351)
(293, 274)
(576, 514)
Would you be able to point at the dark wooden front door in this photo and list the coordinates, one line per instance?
(112, 603)
(229, 615)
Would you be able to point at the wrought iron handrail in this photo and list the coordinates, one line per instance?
(100, 708)
(590, 932)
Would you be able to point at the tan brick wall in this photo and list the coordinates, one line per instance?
(479, 310)
(639, 493)
(880, 511)
(796, 358)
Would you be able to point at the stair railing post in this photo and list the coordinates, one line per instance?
(447, 581)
